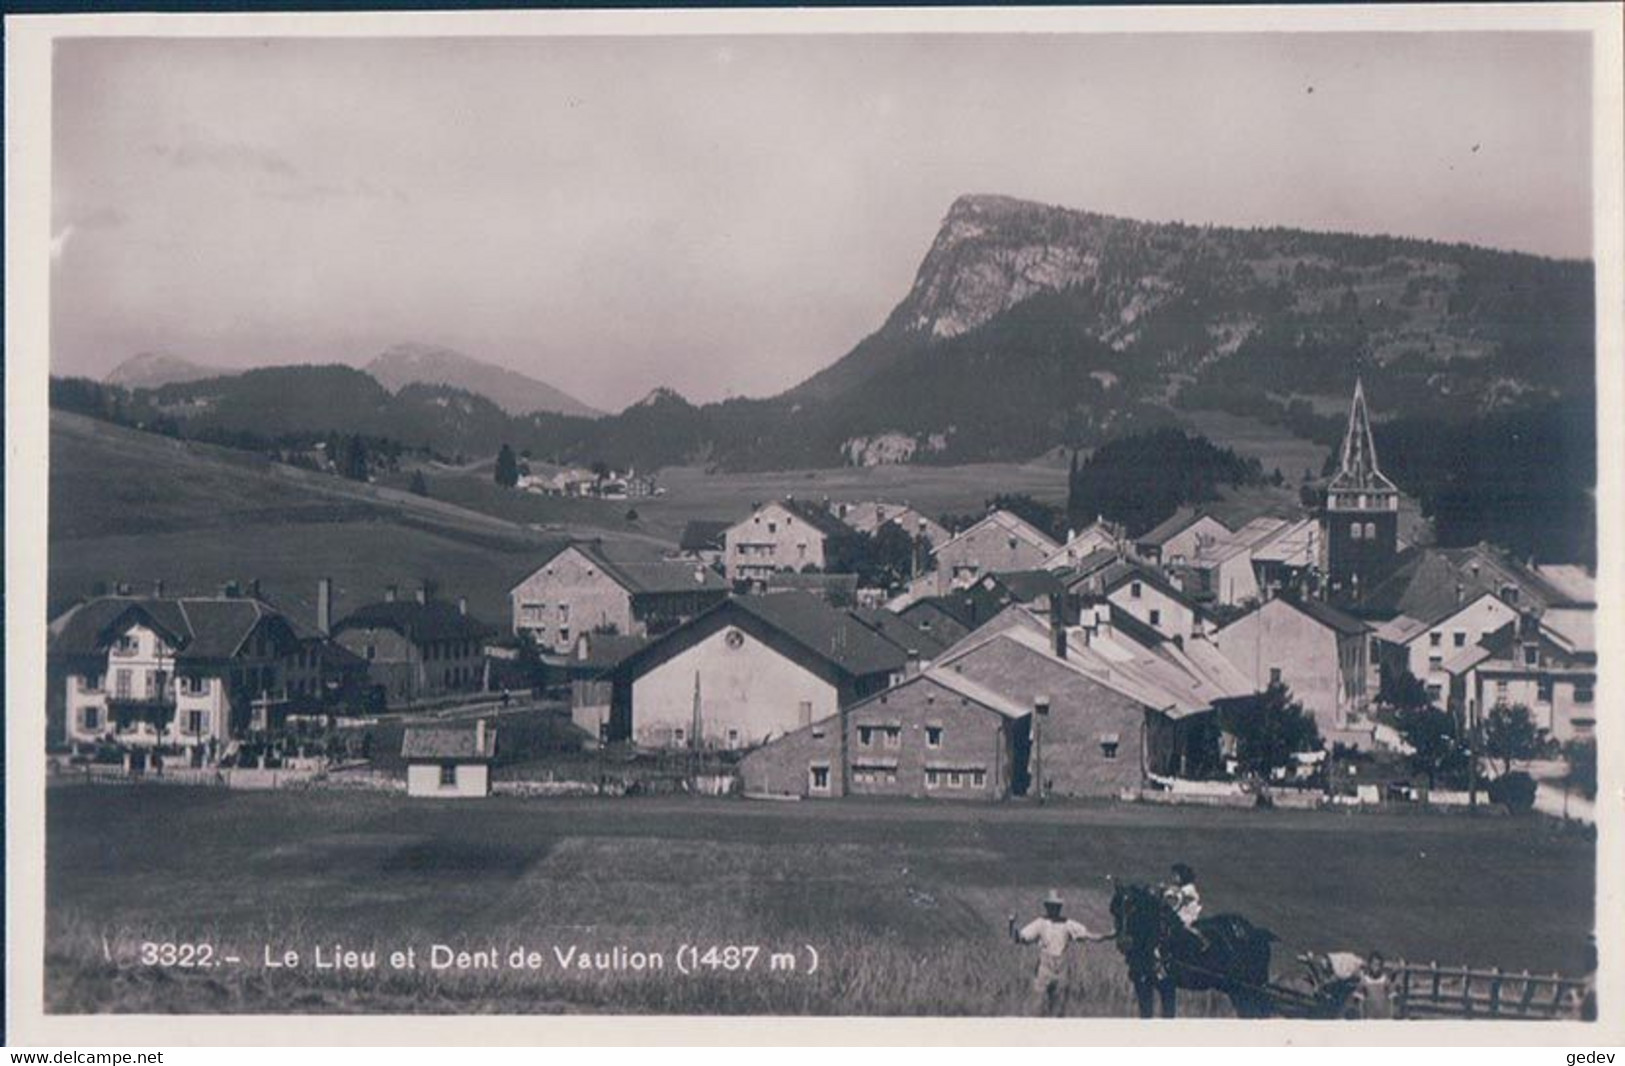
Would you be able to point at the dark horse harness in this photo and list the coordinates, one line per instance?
(1227, 953)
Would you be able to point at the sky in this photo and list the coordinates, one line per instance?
(727, 215)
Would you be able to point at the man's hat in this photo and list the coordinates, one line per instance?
(1054, 898)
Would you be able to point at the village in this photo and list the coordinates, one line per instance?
(1306, 660)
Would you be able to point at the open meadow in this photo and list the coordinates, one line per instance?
(903, 903)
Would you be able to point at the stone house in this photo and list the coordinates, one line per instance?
(580, 589)
(935, 735)
(419, 648)
(999, 542)
(449, 762)
(1317, 651)
(784, 534)
(1176, 539)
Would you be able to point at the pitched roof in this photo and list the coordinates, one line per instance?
(836, 634)
(641, 576)
(1182, 519)
(1109, 579)
(703, 534)
(1572, 628)
(418, 622)
(901, 632)
(1327, 615)
(1012, 524)
(1433, 583)
(970, 607)
(447, 742)
(1026, 585)
(605, 650)
(814, 515)
(201, 628)
(1295, 544)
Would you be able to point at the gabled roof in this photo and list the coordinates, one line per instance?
(1113, 577)
(447, 742)
(971, 607)
(200, 628)
(1169, 528)
(641, 577)
(1295, 544)
(816, 516)
(1327, 615)
(1025, 586)
(954, 684)
(1433, 583)
(828, 640)
(1011, 524)
(418, 622)
(900, 632)
(703, 534)
(1260, 530)
(1574, 629)
(1575, 582)
(605, 650)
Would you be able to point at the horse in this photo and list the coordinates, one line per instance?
(1231, 955)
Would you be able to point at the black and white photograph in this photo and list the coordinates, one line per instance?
(818, 516)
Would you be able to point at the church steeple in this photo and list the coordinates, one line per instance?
(1362, 511)
(1359, 471)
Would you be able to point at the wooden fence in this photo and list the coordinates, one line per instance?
(1435, 991)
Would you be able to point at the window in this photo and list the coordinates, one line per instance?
(564, 634)
(448, 775)
(894, 736)
(197, 722)
(1582, 694)
(1459, 639)
(195, 686)
(954, 779)
(1371, 531)
(1156, 617)
(933, 736)
(372, 651)
(1135, 589)
(1435, 640)
(1531, 654)
(1500, 692)
(677, 735)
(564, 613)
(121, 684)
(1354, 531)
(1434, 692)
(818, 777)
(1509, 593)
(126, 645)
(733, 738)
(90, 683)
(804, 712)
(978, 778)
(818, 732)
(91, 717)
(1275, 675)
(866, 736)
(772, 527)
(1543, 690)
(1435, 662)
(1108, 745)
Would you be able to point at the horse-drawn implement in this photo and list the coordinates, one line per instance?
(1229, 955)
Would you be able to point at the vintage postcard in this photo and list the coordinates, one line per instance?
(1024, 524)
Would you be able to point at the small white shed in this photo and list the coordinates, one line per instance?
(449, 762)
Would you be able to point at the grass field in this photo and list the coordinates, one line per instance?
(905, 903)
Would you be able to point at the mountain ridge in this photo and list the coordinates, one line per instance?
(518, 394)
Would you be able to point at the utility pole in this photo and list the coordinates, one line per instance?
(1040, 712)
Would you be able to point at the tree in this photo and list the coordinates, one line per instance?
(355, 465)
(631, 515)
(1510, 733)
(1042, 516)
(1582, 759)
(507, 472)
(1438, 747)
(1403, 691)
(1270, 728)
(419, 486)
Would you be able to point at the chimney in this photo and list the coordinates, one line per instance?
(254, 588)
(913, 665)
(389, 593)
(462, 605)
(324, 606)
(699, 575)
(1459, 593)
(1058, 636)
(479, 736)
(158, 589)
(422, 594)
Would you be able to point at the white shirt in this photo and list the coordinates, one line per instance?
(1053, 935)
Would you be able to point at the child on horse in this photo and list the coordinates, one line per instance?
(1182, 895)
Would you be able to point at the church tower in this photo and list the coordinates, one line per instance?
(1362, 512)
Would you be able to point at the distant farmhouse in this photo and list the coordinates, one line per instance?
(784, 534)
(1099, 535)
(195, 672)
(749, 669)
(580, 589)
(418, 648)
(1000, 542)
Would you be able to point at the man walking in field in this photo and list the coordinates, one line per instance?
(1053, 934)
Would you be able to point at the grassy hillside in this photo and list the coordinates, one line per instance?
(137, 507)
